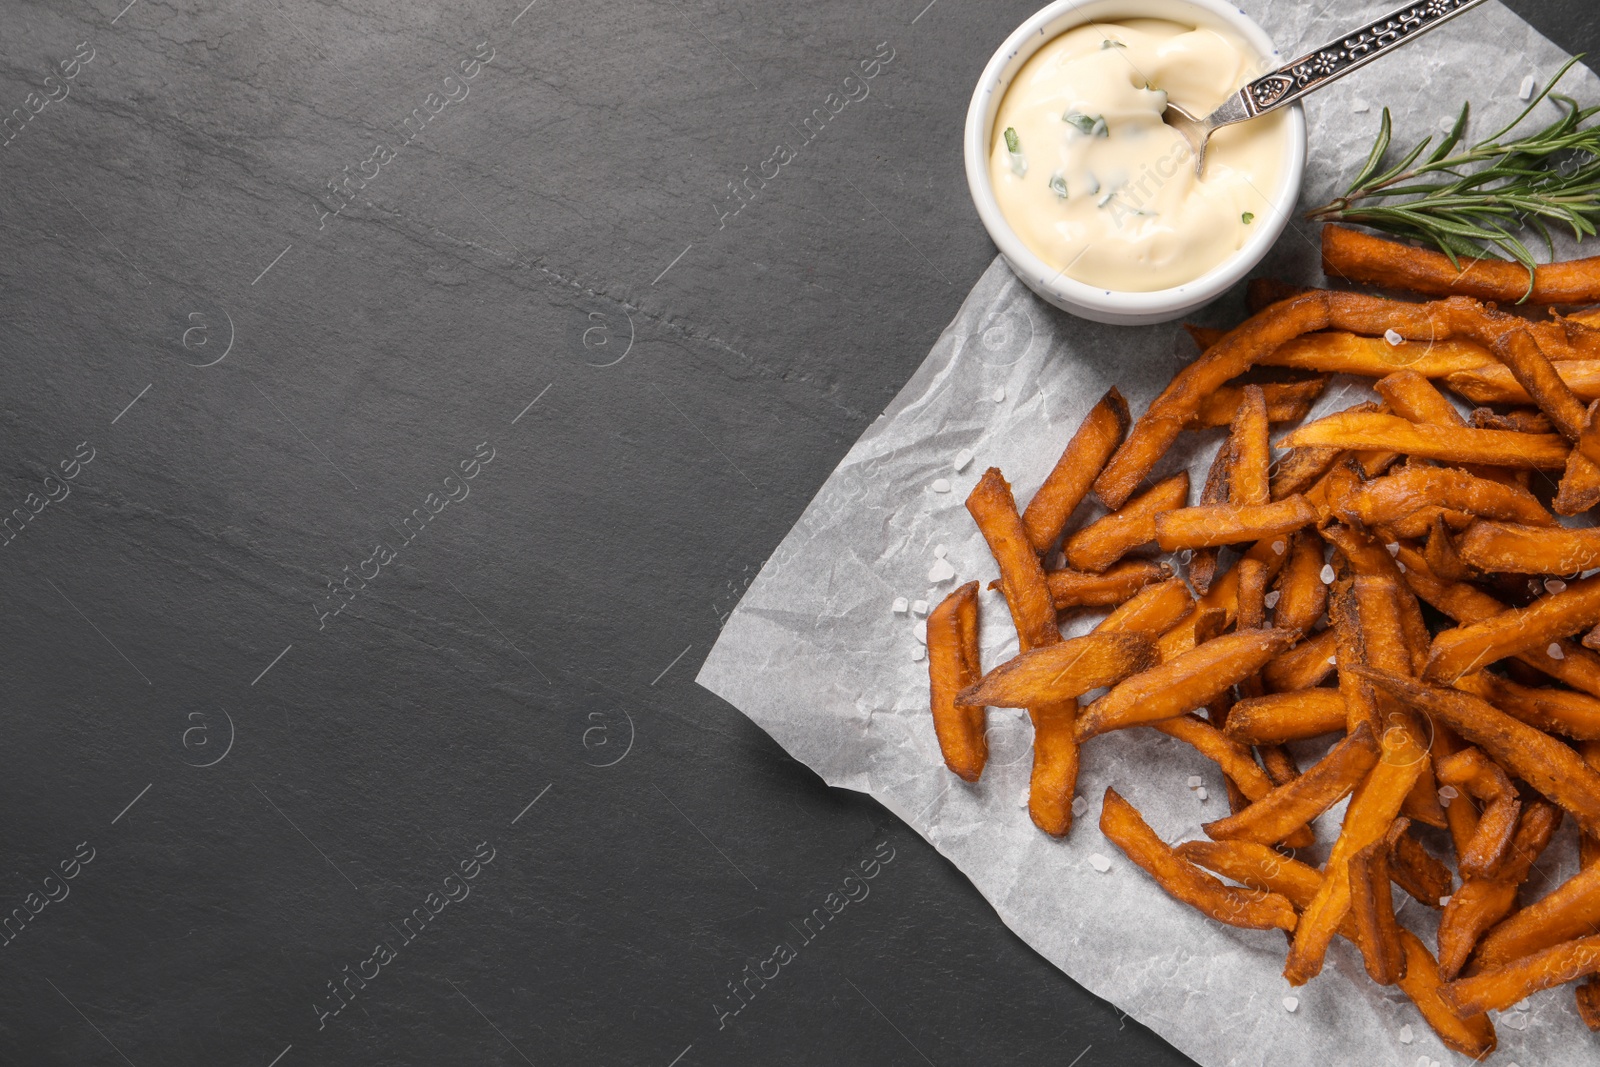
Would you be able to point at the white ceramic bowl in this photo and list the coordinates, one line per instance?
(1079, 298)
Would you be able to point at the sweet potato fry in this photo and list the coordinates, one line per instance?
(1248, 909)
(1414, 869)
(1372, 908)
(1062, 672)
(1280, 717)
(1262, 868)
(1373, 357)
(1555, 711)
(1441, 554)
(1233, 758)
(1100, 544)
(1372, 809)
(1209, 526)
(1155, 609)
(1081, 461)
(1412, 396)
(1184, 682)
(1487, 851)
(1021, 577)
(1481, 903)
(1249, 484)
(1513, 548)
(1362, 257)
(1522, 420)
(1546, 764)
(1299, 469)
(1285, 402)
(1085, 589)
(1155, 431)
(1411, 489)
(1203, 561)
(1302, 596)
(1571, 910)
(1589, 1003)
(1204, 623)
(1252, 595)
(1493, 383)
(1303, 666)
(1054, 779)
(1498, 448)
(1289, 807)
(1467, 648)
(1498, 989)
(952, 667)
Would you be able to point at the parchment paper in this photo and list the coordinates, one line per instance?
(815, 655)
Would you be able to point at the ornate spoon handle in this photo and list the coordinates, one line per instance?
(1333, 61)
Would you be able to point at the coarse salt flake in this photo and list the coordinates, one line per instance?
(941, 571)
(1401, 566)
(1195, 781)
(918, 653)
(1590, 573)
(940, 485)
(1271, 599)
(920, 632)
(1554, 585)
(940, 552)
(1291, 1003)
(1279, 548)
(1447, 794)
(1360, 107)
(963, 459)
(1022, 801)
(1327, 574)
(1444, 902)
(1201, 792)
(1099, 862)
(1079, 806)
(1516, 1021)
(1393, 337)
(901, 605)
(1333, 661)
(1393, 547)
(1525, 90)
(1406, 1036)
(919, 606)
(1554, 651)
(1000, 395)
(1522, 1005)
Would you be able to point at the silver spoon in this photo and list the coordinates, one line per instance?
(1314, 70)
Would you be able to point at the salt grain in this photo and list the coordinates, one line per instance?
(1554, 585)
(920, 632)
(941, 571)
(1271, 599)
(1000, 395)
(1099, 862)
(1394, 338)
(918, 653)
(1290, 1004)
(1447, 794)
(1079, 806)
(1201, 792)
(1519, 1021)
(1327, 574)
(1525, 90)
(900, 605)
(940, 485)
(1279, 548)
(940, 552)
(1444, 902)
(920, 607)
(1360, 107)
(963, 459)
(1400, 565)
(1554, 651)
(1522, 1005)
(1393, 547)
(1022, 801)
(1195, 781)
(1590, 573)
(1406, 1036)
(1333, 661)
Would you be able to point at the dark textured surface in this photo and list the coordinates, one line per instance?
(553, 235)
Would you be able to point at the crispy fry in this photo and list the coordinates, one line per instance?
(1480, 903)
(1492, 383)
(1543, 762)
(1362, 257)
(1212, 525)
(1233, 758)
(1302, 596)
(1372, 907)
(1441, 554)
(1223, 596)
(1078, 589)
(1280, 717)
(1262, 868)
(952, 666)
(1250, 910)
(1187, 681)
(1062, 672)
(1372, 809)
(1411, 489)
(1373, 357)
(1412, 396)
(1155, 608)
(1203, 563)
(1285, 402)
(1521, 354)
(1054, 779)
(1289, 807)
(1522, 420)
(1068, 483)
(1344, 617)
(1303, 666)
(1571, 910)
(1021, 577)
(1299, 469)
(1518, 549)
(1555, 711)
(1196, 628)
(1468, 647)
(1504, 986)
(1159, 426)
(1253, 452)
(1498, 448)
(1470, 770)
(1415, 870)
(1100, 544)
(1252, 594)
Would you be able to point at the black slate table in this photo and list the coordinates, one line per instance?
(397, 399)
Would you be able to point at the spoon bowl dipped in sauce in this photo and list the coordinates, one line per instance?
(1092, 199)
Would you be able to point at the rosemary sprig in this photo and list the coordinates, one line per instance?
(1474, 201)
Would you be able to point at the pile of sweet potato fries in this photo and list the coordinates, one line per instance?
(1400, 578)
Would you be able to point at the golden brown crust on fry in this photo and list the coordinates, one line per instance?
(1062, 672)
(1287, 808)
(1522, 420)
(1475, 773)
(1250, 910)
(1068, 483)
(1497, 448)
(1302, 595)
(1233, 758)
(1513, 548)
(1498, 989)
(1155, 608)
(1103, 542)
(1186, 681)
(1481, 903)
(1213, 525)
(1081, 589)
(1493, 383)
(1339, 352)
(1303, 666)
(1285, 402)
(1411, 489)
(1571, 910)
(952, 666)
(1470, 1035)
(1475, 645)
(1555, 711)
(1021, 577)
(1414, 869)
(1362, 257)
(1372, 908)
(1280, 717)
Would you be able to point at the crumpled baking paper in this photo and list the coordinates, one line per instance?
(816, 655)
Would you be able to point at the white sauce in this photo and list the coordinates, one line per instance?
(1086, 114)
